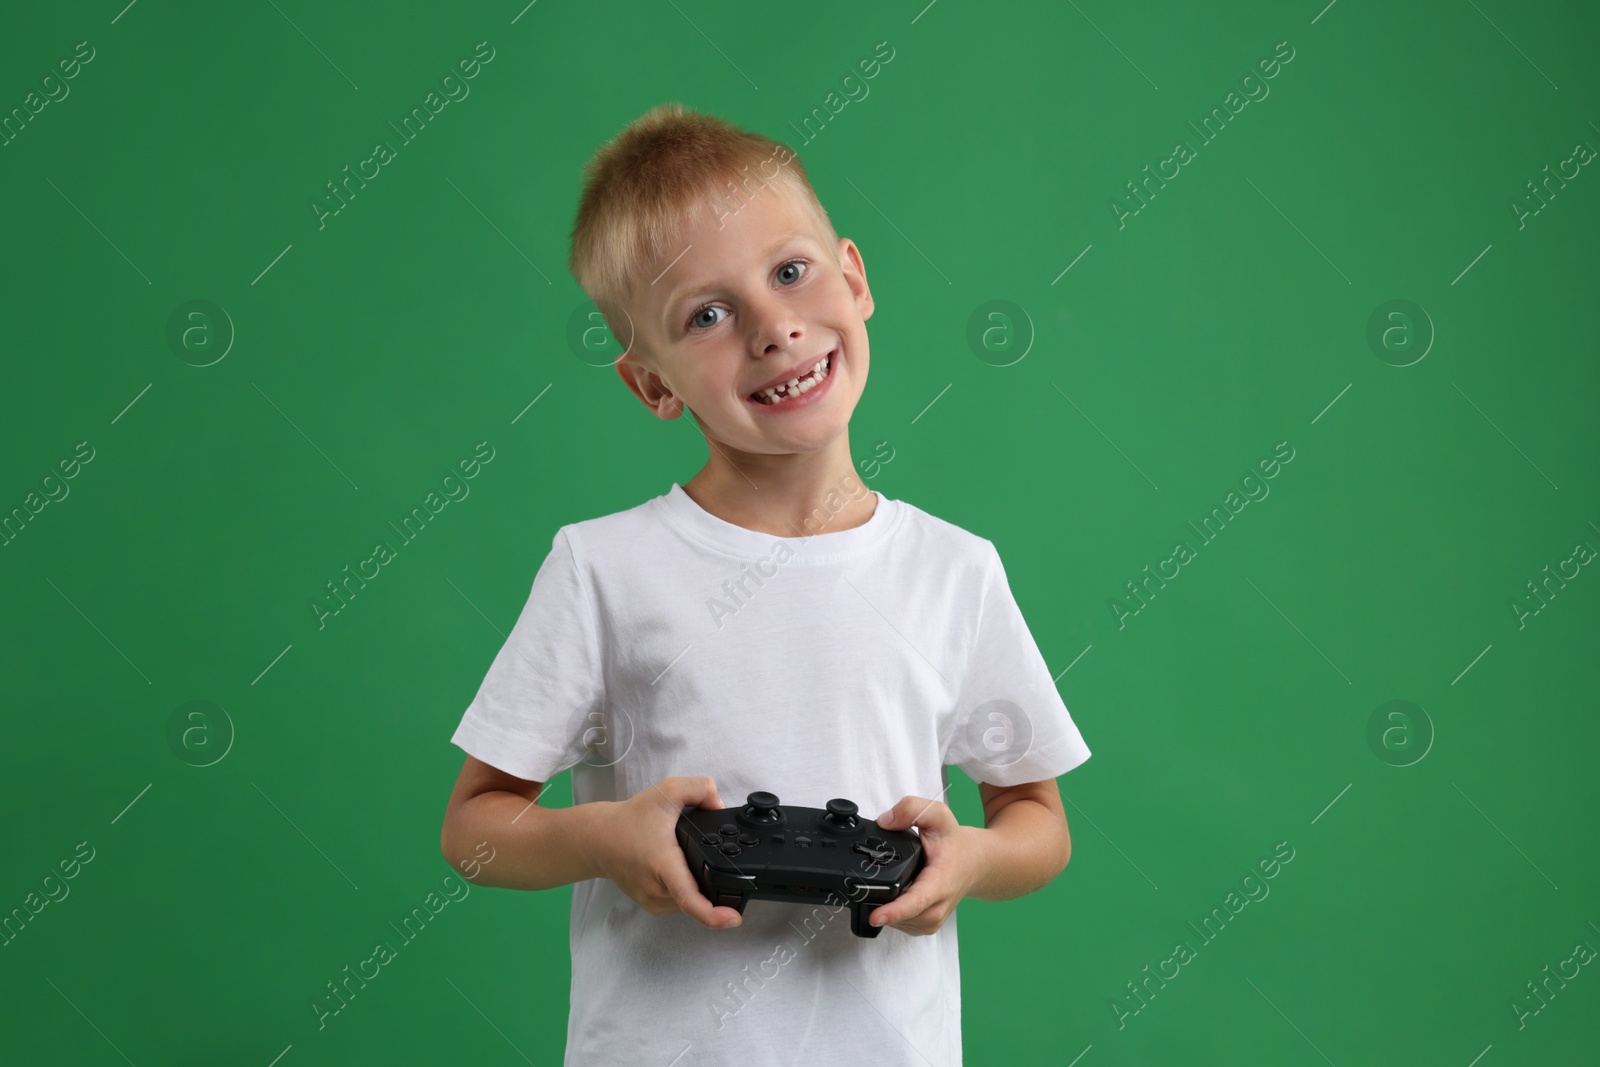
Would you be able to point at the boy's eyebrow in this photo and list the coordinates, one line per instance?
(693, 288)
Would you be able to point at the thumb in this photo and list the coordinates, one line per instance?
(701, 791)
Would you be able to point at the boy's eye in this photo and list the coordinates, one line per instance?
(695, 321)
(788, 273)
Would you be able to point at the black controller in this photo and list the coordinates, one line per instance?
(765, 851)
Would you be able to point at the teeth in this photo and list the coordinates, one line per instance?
(797, 386)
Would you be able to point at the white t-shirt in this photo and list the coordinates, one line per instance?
(857, 663)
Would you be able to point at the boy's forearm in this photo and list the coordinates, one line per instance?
(1027, 847)
(534, 847)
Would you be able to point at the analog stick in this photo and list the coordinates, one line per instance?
(761, 809)
(841, 816)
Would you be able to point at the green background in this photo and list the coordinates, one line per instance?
(1436, 870)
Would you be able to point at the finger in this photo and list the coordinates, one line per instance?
(921, 893)
(693, 903)
(703, 793)
(889, 819)
(917, 811)
(689, 792)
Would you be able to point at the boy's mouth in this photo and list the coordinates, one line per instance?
(788, 393)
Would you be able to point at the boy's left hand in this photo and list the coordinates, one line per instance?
(953, 860)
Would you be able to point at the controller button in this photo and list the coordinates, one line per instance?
(877, 855)
(802, 840)
(841, 816)
(727, 829)
(777, 839)
(826, 841)
(761, 809)
(748, 839)
(710, 839)
(876, 842)
(731, 848)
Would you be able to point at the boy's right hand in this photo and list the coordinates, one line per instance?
(639, 850)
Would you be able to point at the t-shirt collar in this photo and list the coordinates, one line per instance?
(689, 519)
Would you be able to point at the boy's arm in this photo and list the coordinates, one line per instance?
(519, 845)
(1021, 847)
(1029, 842)
(532, 847)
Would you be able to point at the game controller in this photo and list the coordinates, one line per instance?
(766, 851)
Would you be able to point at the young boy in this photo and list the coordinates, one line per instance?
(769, 625)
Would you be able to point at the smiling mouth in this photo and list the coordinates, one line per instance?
(795, 387)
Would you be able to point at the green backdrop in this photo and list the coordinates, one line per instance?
(224, 384)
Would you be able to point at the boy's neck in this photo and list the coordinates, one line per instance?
(785, 496)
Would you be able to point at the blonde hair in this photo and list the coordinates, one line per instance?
(640, 187)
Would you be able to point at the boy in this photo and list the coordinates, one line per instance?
(770, 625)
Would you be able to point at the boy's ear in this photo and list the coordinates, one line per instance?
(651, 389)
(855, 275)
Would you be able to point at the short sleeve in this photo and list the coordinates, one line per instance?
(529, 717)
(1011, 725)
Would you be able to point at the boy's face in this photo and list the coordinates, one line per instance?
(757, 298)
